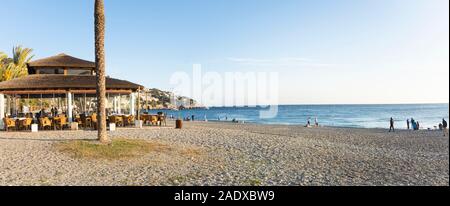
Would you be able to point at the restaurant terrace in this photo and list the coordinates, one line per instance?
(64, 87)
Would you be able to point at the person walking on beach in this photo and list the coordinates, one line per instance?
(444, 127)
(316, 122)
(413, 124)
(408, 124)
(391, 128)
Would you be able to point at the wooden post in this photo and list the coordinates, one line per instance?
(146, 100)
(84, 105)
(2, 109)
(41, 103)
(133, 104)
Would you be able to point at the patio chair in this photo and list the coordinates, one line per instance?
(77, 119)
(128, 120)
(116, 120)
(119, 121)
(26, 123)
(86, 121)
(162, 120)
(94, 120)
(61, 123)
(145, 119)
(154, 120)
(45, 122)
(9, 123)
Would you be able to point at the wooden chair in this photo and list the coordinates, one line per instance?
(118, 120)
(128, 120)
(45, 122)
(86, 121)
(154, 120)
(145, 119)
(61, 122)
(94, 120)
(26, 124)
(77, 119)
(9, 123)
(162, 120)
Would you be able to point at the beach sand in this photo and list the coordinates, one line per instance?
(235, 154)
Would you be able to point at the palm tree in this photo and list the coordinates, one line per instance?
(100, 69)
(21, 56)
(3, 58)
(17, 66)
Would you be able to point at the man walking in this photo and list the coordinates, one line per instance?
(391, 128)
(444, 127)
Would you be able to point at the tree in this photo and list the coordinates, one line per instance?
(99, 15)
(3, 56)
(17, 66)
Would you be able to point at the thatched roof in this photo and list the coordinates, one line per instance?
(38, 82)
(62, 60)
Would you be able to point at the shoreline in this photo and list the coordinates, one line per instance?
(348, 116)
(312, 127)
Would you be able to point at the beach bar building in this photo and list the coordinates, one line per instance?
(67, 84)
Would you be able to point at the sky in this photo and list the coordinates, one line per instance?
(324, 51)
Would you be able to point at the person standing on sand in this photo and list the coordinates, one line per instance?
(408, 124)
(391, 128)
(444, 127)
(316, 122)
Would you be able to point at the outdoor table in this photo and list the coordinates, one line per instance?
(18, 121)
(117, 119)
(54, 121)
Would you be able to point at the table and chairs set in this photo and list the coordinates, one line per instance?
(25, 123)
(84, 121)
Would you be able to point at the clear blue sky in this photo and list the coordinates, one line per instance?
(326, 51)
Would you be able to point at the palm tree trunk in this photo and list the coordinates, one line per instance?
(100, 69)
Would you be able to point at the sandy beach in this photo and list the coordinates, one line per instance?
(234, 154)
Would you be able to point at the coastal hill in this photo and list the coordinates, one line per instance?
(159, 99)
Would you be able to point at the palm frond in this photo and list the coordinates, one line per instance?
(15, 67)
(21, 56)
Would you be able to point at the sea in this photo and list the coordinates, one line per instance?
(353, 116)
